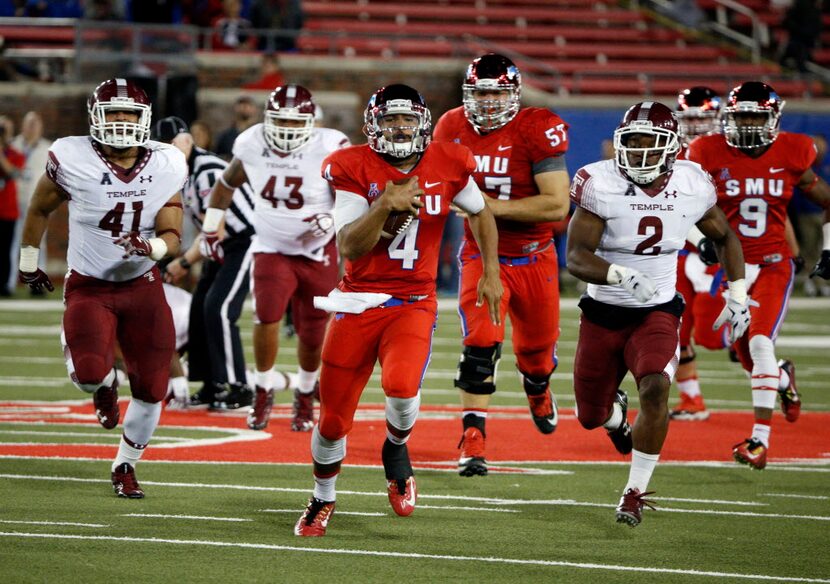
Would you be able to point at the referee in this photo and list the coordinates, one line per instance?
(215, 354)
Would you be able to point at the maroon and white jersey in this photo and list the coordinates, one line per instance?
(107, 201)
(288, 188)
(643, 230)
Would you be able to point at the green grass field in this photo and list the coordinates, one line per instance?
(222, 522)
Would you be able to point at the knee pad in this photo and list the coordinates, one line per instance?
(401, 413)
(761, 348)
(478, 364)
(93, 387)
(325, 451)
(687, 354)
(535, 384)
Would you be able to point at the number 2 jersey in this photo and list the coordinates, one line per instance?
(642, 231)
(288, 188)
(107, 201)
(754, 192)
(407, 264)
(506, 160)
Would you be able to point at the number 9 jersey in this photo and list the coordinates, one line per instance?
(107, 201)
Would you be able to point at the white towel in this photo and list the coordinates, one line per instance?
(350, 302)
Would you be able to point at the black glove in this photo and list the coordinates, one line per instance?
(706, 250)
(799, 264)
(823, 266)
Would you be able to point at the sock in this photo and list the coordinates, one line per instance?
(784, 380)
(396, 462)
(690, 386)
(264, 379)
(324, 487)
(306, 379)
(141, 420)
(761, 430)
(474, 419)
(129, 452)
(642, 466)
(615, 418)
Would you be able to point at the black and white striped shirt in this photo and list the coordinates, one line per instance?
(205, 170)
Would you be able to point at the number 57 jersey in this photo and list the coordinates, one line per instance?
(288, 189)
(644, 229)
(107, 201)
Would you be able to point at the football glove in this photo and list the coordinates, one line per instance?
(706, 251)
(799, 262)
(37, 280)
(639, 285)
(211, 247)
(737, 315)
(320, 224)
(134, 245)
(822, 268)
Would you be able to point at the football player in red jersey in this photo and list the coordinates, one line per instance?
(385, 306)
(520, 166)
(755, 166)
(123, 192)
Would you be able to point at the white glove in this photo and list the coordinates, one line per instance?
(635, 282)
(736, 311)
(178, 393)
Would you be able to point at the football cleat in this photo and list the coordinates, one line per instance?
(105, 400)
(124, 482)
(689, 409)
(302, 412)
(315, 518)
(790, 398)
(260, 413)
(621, 436)
(630, 509)
(238, 396)
(402, 495)
(752, 452)
(472, 461)
(205, 396)
(544, 412)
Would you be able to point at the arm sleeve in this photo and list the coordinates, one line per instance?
(348, 207)
(469, 199)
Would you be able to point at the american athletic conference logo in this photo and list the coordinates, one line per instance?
(373, 190)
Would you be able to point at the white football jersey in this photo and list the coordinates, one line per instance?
(288, 188)
(107, 201)
(642, 231)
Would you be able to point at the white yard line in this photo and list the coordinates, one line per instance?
(196, 517)
(389, 554)
(67, 523)
(792, 496)
(339, 512)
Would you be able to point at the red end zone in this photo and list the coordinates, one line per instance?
(511, 437)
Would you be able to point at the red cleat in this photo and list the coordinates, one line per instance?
(260, 413)
(790, 398)
(631, 505)
(302, 416)
(105, 400)
(402, 495)
(315, 518)
(752, 452)
(124, 482)
(544, 412)
(472, 461)
(689, 409)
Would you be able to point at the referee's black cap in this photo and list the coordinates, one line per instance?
(168, 128)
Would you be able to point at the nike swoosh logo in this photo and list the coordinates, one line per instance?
(503, 148)
(430, 185)
(776, 170)
(410, 500)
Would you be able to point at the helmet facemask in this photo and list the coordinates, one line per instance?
(694, 122)
(397, 141)
(487, 115)
(645, 164)
(120, 134)
(750, 136)
(284, 138)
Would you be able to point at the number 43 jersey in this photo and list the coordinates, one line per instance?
(644, 230)
(288, 189)
(107, 201)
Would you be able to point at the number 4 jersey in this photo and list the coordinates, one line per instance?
(754, 192)
(643, 230)
(288, 188)
(107, 201)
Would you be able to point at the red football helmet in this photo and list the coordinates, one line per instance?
(119, 95)
(294, 103)
(698, 113)
(491, 73)
(397, 141)
(638, 162)
(749, 100)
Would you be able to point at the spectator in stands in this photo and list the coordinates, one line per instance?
(231, 31)
(202, 134)
(11, 165)
(270, 76)
(284, 15)
(35, 149)
(104, 10)
(803, 24)
(244, 113)
(806, 218)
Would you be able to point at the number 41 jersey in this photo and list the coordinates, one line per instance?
(643, 230)
(107, 201)
(288, 188)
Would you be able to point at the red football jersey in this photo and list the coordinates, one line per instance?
(754, 192)
(504, 166)
(408, 263)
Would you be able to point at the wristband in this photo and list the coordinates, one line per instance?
(694, 236)
(737, 291)
(616, 274)
(158, 248)
(28, 259)
(213, 217)
(184, 263)
(825, 229)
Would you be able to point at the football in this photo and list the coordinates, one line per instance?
(396, 223)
